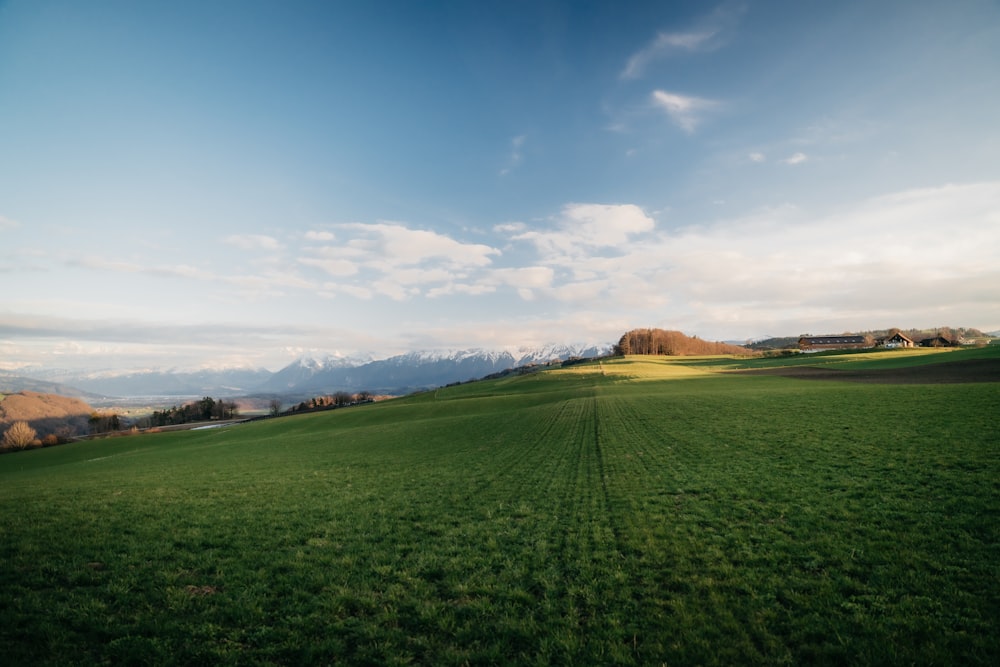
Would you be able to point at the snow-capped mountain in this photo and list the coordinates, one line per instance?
(311, 376)
(301, 370)
(415, 370)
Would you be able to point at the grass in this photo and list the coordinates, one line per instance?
(846, 360)
(640, 511)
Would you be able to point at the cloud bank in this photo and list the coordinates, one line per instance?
(919, 257)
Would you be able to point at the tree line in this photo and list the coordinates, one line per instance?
(671, 343)
(338, 400)
(205, 409)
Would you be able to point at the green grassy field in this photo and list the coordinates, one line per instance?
(640, 511)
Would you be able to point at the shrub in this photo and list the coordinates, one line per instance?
(50, 440)
(19, 436)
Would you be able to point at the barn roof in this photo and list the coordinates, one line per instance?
(831, 340)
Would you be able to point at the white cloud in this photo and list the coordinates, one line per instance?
(589, 226)
(314, 235)
(796, 158)
(330, 290)
(509, 227)
(460, 288)
(580, 291)
(532, 277)
(263, 282)
(684, 110)
(7, 223)
(253, 242)
(605, 225)
(782, 269)
(911, 258)
(331, 265)
(757, 157)
(394, 244)
(525, 280)
(396, 261)
(394, 289)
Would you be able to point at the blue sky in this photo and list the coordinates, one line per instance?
(239, 183)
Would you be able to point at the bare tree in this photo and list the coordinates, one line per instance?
(275, 407)
(19, 436)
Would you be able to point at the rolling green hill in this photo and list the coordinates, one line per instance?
(635, 511)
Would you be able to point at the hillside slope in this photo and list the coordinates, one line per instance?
(639, 510)
(46, 413)
(11, 383)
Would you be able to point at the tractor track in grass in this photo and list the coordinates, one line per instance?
(603, 472)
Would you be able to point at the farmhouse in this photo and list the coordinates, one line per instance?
(817, 343)
(894, 341)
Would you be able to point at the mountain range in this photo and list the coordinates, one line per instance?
(307, 376)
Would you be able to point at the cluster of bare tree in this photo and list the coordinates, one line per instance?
(671, 343)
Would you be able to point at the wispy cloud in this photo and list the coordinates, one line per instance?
(525, 280)
(252, 286)
(68, 342)
(7, 223)
(253, 242)
(663, 45)
(331, 265)
(162, 270)
(360, 259)
(757, 157)
(684, 110)
(707, 35)
(796, 158)
(516, 156)
(509, 227)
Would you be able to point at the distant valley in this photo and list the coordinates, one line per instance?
(304, 377)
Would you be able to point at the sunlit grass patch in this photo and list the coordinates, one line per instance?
(654, 368)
